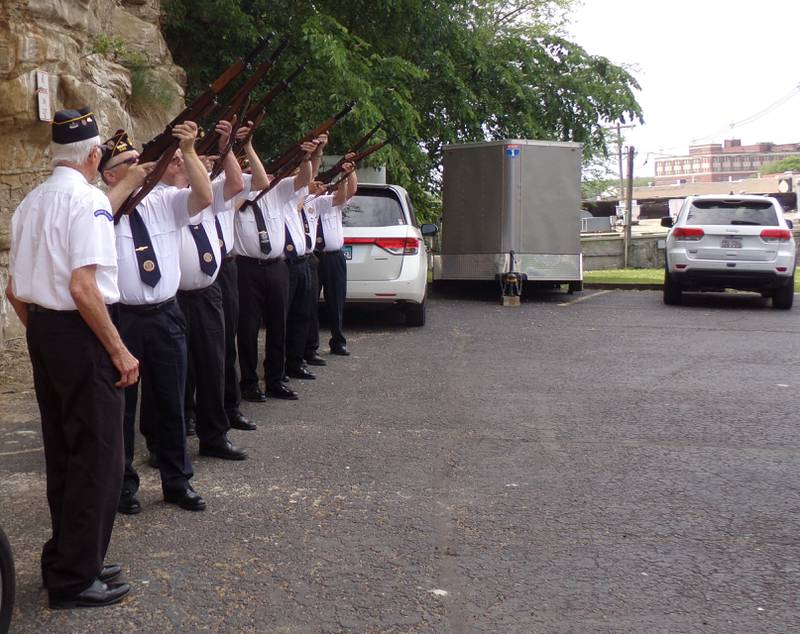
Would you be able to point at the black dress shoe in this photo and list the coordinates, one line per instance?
(224, 450)
(254, 395)
(129, 504)
(282, 392)
(95, 596)
(109, 573)
(341, 351)
(312, 358)
(300, 373)
(188, 500)
(191, 426)
(238, 421)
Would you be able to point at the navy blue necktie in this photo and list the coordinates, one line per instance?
(145, 255)
(289, 249)
(307, 229)
(208, 263)
(320, 246)
(223, 248)
(263, 234)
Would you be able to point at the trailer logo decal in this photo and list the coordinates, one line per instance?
(512, 151)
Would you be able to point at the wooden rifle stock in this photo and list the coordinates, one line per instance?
(238, 120)
(257, 111)
(329, 174)
(208, 142)
(163, 146)
(332, 173)
(322, 128)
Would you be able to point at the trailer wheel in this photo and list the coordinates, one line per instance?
(575, 287)
(415, 314)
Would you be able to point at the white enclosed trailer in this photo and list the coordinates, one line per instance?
(517, 196)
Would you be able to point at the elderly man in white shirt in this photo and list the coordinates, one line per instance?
(63, 279)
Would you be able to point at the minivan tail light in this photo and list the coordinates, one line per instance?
(399, 246)
(687, 233)
(395, 246)
(776, 235)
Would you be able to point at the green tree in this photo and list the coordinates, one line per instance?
(437, 72)
(789, 164)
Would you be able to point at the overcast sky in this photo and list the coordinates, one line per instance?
(702, 65)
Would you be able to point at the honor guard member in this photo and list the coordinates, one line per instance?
(62, 280)
(150, 321)
(200, 300)
(261, 246)
(310, 221)
(333, 266)
(299, 247)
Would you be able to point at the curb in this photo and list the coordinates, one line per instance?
(622, 286)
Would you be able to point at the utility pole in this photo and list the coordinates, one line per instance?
(629, 206)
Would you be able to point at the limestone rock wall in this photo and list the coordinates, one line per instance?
(87, 47)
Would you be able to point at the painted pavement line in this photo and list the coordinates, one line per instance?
(585, 297)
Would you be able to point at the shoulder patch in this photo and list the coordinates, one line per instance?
(103, 212)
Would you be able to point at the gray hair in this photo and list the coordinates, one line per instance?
(73, 152)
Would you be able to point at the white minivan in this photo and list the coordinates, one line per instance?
(387, 261)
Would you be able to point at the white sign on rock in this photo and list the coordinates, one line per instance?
(43, 95)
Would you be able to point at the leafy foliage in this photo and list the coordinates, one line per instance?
(437, 72)
(789, 164)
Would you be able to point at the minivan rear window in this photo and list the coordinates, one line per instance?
(373, 208)
(732, 212)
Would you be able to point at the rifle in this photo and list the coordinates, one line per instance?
(238, 120)
(164, 145)
(328, 175)
(242, 95)
(322, 128)
(257, 111)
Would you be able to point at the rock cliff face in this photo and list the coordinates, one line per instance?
(109, 54)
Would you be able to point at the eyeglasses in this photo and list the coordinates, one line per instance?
(130, 161)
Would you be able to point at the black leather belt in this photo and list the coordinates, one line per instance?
(297, 259)
(146, 309)
(257, 261)
(35, 308)
(229, 258)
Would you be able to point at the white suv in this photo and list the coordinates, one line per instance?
(386, 257)
(738, 242)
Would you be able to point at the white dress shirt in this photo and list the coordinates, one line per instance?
(192, 276)
(273, 206)
(331, 218)
(226, 209)
(164, 211)
(62, 225)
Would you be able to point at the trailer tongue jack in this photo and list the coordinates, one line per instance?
(511, 283)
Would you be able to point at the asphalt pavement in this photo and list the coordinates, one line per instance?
(594, 462)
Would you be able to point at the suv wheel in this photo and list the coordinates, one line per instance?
(415, 314)
(784, 296)
(672, 290)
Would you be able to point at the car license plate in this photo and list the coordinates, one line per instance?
(731, 243)
(348, 252)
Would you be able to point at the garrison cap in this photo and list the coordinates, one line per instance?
(117, 144)
(71, 126)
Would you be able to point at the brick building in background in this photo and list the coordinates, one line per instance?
(715, 163)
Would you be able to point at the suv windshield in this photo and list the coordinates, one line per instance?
(373, 208)
(732, 212)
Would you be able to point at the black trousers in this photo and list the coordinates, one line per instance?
(158, 339)
(333, 277)
(205, 343)
(263, 295)
(81, 414)
(299, 312)
(228, 282)
(312, 339)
